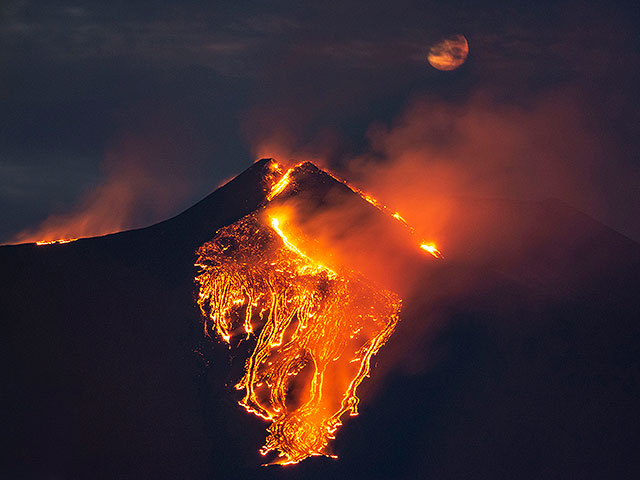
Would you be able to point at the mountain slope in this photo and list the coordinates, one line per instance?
(517, 363)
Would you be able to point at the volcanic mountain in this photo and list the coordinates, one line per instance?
(515, 355)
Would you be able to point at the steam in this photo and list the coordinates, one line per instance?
(148, 172)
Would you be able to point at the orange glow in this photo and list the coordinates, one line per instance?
(316, 331)
(431, 248)
(50, 242)
(274, 166)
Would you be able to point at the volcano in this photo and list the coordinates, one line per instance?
(515, 357)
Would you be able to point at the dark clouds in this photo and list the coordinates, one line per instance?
(310, 79)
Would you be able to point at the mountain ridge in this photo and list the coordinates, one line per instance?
(524, 353)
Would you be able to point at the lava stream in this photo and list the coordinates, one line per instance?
(318, 329)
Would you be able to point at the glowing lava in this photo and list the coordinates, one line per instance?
(278, 186)
(318, 331)
(432, 249)
(315, 328)
(50, 242)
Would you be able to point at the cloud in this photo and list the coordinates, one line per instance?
(76, 34)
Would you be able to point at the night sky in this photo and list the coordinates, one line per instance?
(128, 112)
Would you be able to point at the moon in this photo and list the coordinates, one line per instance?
(449, 53)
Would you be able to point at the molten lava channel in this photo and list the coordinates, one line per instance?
(318, 330)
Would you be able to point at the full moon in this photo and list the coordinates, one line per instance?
(449, 53)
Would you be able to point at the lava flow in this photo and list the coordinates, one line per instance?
(51, 242)
(315, 328)
(318, 331)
